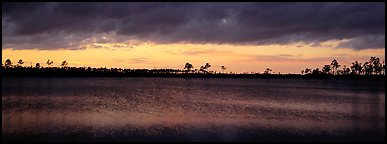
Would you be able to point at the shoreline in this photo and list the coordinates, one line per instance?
(214, 76)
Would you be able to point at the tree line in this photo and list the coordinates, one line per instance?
(372, 67)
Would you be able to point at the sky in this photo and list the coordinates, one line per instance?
(244, 37)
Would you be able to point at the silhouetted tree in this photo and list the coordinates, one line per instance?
(49, 62)
(267, 71)
(8, 63)
(339, 72)
(64, 64)
(326, 69)
(307, 71)
(368, 68)
(316, 71)
(205, 67)
(378, 68)
(202, 69)
(335, 65)
(223, 68)
(188, 66)
(20, 62)
(356, 68)
(37, 65)
(346, 70)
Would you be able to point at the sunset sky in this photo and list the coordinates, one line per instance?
(244, 37)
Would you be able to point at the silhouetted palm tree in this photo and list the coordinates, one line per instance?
(8, 63)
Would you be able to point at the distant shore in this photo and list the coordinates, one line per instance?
(371, 70)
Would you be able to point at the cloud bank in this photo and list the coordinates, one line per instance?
(71, 25)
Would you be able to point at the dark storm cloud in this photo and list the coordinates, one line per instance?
(234, 23)
(371, 41)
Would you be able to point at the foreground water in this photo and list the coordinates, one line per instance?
(191, 109)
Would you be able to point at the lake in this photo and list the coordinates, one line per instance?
(192, 109)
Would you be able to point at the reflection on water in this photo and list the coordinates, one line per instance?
(227, 108)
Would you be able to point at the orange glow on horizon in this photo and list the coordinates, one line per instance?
(237, 58)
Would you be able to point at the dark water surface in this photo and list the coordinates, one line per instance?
(192, 109)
